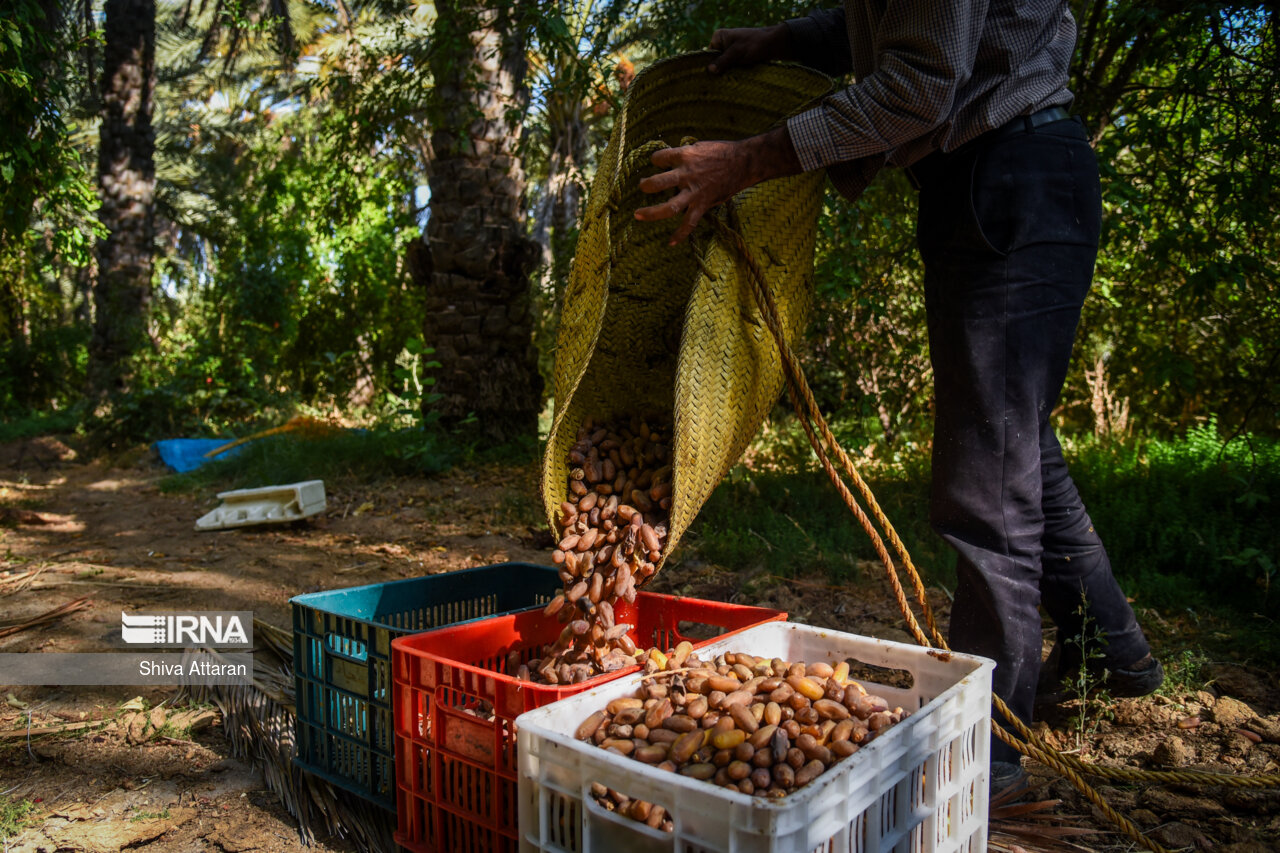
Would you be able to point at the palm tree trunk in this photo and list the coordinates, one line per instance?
(479, 306)
(126, 181)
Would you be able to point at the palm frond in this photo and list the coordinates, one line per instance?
(1022, 825)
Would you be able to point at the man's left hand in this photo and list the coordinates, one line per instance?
(706, 174)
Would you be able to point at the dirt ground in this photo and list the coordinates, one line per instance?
(128, 768)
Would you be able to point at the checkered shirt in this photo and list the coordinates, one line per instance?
(930, 76)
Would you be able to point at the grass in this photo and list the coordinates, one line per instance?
(1188, 524)
(40, 423)
(793, 522)
(359, 455)
(1184, 673)
(15, 816)
(1085, 684)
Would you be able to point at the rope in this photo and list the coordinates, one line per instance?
(1030, 744)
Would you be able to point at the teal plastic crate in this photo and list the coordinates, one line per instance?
(342, 661)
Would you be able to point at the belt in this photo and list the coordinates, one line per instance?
(924, 171)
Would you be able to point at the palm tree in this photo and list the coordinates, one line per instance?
(479, 307)
(126, 181)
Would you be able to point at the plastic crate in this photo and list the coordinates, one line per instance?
(920, 786)
(342, 661)
(456, 771)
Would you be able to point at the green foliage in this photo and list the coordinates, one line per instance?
(1190, 521)
(1085, 683)
(791, 521)
(15, 816)
(354, 455)
(46, 212)
(868, 332)
(40, 423)
(1187, 308)
(679, 26)
(1187, 522)
(358, 455)
(193, 386)
(43, 185)
(1184, 673)
(287, 287)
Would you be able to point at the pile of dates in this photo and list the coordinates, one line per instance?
(613, 529)
(759, 726)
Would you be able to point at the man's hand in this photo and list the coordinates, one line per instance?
(749, 46)
(709, 173)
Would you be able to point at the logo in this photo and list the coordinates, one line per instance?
(207, 628)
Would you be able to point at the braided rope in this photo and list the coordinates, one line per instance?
(1030, 744)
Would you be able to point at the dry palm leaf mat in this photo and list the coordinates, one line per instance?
(258, 719)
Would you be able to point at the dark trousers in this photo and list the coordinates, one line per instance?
(1008, 229)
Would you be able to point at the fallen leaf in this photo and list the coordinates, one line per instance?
(137, 728)
(115, 835)
(157, 718)
(364, 507)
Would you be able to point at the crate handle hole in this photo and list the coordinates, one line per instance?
(348, 648)
(882, 675)
(696, 631)
(620, 804)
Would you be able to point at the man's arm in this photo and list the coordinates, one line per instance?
(821, 41)
(710, 173)
(926, 53)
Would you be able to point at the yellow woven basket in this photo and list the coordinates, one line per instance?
(649, 328)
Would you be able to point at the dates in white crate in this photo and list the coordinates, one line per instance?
(921, 786)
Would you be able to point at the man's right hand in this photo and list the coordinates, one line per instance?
(749, 46)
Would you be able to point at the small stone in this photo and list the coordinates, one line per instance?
(1145, 818)
(157, 718)
(1172, 752)
(1252, 801)
(1230, 712)
(1234, 680)
(1168, 802)
(1177, 836)
(1267, 727)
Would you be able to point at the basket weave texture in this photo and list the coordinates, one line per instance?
(650, 328)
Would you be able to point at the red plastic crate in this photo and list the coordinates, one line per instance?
(456, 781)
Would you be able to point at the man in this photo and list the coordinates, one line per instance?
(970, 97)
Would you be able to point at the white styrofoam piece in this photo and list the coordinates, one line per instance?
(920, 786)
(266, 505)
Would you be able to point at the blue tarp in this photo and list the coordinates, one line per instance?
(187, 454)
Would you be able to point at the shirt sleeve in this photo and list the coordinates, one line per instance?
(821, 41)
(851, 177)
(925, 53)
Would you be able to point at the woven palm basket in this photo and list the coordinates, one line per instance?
(650, 328)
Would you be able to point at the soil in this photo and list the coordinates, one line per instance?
(133, 768)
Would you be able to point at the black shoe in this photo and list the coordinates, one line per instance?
(1141, 678)
(1005, 776)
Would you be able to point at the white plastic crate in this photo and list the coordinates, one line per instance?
(921, 787)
